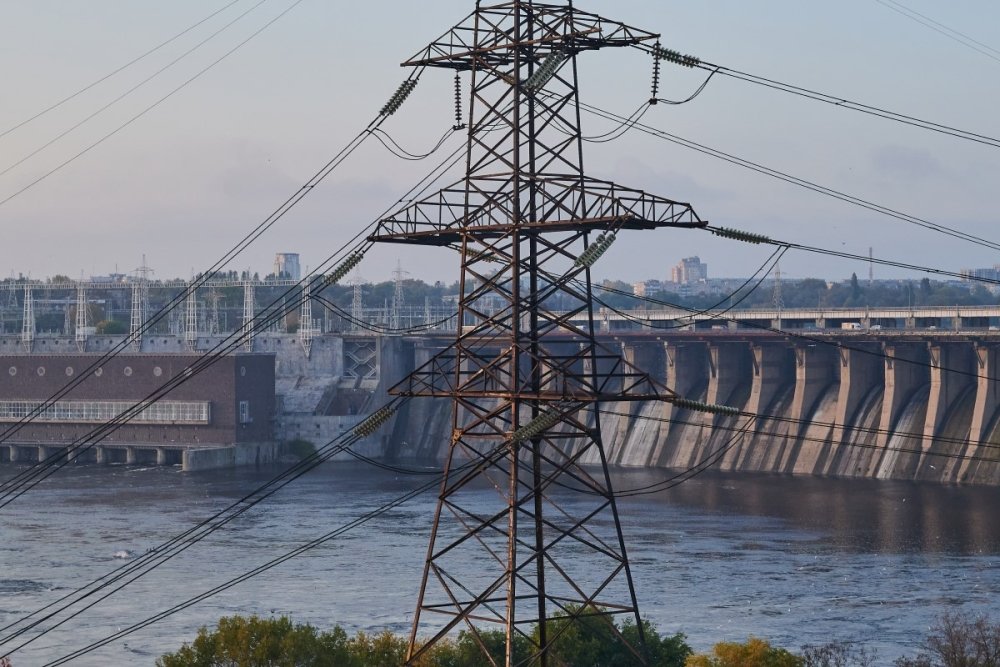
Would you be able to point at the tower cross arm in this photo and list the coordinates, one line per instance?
(484, 37)
(561, 203)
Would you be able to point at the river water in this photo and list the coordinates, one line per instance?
(795, 560)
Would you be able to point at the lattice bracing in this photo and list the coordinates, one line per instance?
(524, 533)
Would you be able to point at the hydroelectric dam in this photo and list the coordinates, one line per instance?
(912, 398)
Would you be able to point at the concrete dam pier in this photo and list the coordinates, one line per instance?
(887, 404)
(893, 405)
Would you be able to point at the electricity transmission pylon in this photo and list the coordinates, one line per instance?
(525, 381)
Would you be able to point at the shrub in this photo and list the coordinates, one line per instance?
(959, 640)
(257, 642)
(839, 654)
(753, 653)
(276, 642)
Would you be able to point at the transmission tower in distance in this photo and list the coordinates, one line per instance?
(526, 381)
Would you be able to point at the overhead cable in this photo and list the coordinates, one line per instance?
(107, 76)
(147, 109)
(693, 62)
(938, 27)
(131, 90)
(486, 460)
(795, 180)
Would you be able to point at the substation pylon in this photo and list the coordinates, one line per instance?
(525, 381)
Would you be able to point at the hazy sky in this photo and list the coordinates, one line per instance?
(184, 182)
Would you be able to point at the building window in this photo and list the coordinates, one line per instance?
(245, 412)
(99, 412)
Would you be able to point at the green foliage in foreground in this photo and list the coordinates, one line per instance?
(240, 641)
(955, 641)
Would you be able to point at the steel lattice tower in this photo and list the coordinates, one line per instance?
(524, 380)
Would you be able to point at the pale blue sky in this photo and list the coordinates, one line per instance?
(184, 182)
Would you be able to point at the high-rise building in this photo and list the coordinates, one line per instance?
(689, 270)
(286, 265)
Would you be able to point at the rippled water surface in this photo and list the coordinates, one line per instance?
(795, 560)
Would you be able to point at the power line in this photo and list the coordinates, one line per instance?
(950, 33)
(130, 90)
(393, 146)
(422, 185)
(117, 70)
(789, 333)
(34, 474)
(236, 250)
(375, 328)
(487, 459)
(159, 555)
(691, 61)
(844, 429)
(149, 108)
(714, 456)
(795, 180)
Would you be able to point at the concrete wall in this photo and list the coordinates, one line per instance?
(900, 410)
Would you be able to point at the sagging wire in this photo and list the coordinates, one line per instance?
(690, 473)
(689, 61)
(615, 133)
(698, 91)
(378, 328)
(393, 146)
(702, 465)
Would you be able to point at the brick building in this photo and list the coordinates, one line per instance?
(230, 402)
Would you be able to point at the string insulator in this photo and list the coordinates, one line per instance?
(482, 256)
(397, 99)
(545, 71)
(538, 425)
(676, 57)
(343, 269)
(700, 406)
(594, 251)
(459, 125)
(656, 75)
(739, 235)
(374, 421)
